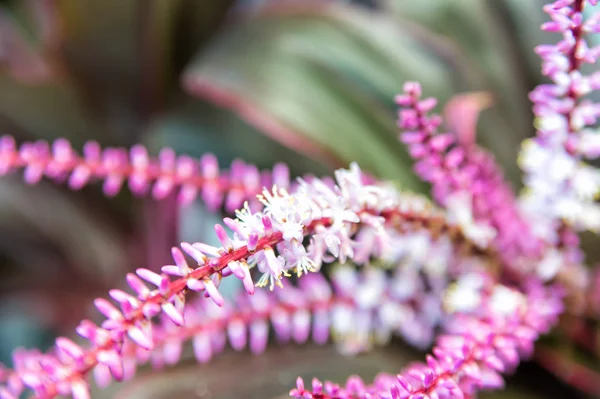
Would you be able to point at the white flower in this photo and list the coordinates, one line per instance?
(345, 280)
(273, 268)
(339, 213)
(297, 258)
(586, 182)
(369, 292)
(419, 247)
(464, 295)
(506, 301)
(581, 84)
(589, 143)
(406, 284)
(349, 179)
(248, 222)
(561, 167)
(552, 122)
(281, 206)
(584, 114)
(460, 212)
(538, 216)
(393, 314)
(549, 265)
(291, 229)
(569, 208)
(531, 156)
(438, 258)
(591, 217)
(335, 239)
(341, 318)
(553, 163)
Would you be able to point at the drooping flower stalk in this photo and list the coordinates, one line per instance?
(560, 185)
(467, 179)
(356, 309)
(463, 173)
(476, 348)
(340, 222)
(158, 177)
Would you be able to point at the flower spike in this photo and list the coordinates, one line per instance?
(331, 217)
(159, 176)
(561, 186)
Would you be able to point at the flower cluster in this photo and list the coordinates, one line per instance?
(421, 267)
(336, 219)
(463, 176)
(560, 184)
(356, 310)
(466, 179)
(162, 176)
(476, 348)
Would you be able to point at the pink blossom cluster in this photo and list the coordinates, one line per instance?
(469, 357)
(455, 169)
(468, 182)
(338, 219)
(421, 267)
(160, 176)
(314, 309)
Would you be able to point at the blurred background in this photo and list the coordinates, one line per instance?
(307, 82)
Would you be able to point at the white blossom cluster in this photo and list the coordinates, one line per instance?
(347, 221)
(559, 186)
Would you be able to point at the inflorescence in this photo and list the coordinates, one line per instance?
(160, 177)
(487, 267)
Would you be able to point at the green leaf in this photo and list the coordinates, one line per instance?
(323, 82)
(495, 38)
(195, 127)
(46, 110)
